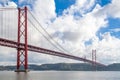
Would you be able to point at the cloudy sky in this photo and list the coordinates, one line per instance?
(77, 25)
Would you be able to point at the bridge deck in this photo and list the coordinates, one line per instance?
(13, 44)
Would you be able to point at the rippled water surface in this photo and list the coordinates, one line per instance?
(60, 75)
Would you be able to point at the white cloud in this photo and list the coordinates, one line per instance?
(86, 28)
(20, 1)
(83, 28)
(12, 4)
(85, 5)
(8, 3)
(107, 47)
(112, 9)
(44, 10)
(81, 6)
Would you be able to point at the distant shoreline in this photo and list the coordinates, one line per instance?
(66, 67)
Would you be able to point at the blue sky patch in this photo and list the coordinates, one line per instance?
(113, 23)
(29, 3)
(89, 42)
(61, 5)
(16, 1)
(101, 31)
(103, 2)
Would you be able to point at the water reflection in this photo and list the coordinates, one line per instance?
(60, 75)
(21, 76)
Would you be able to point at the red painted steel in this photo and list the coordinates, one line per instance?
(22, 34)
(13, 44)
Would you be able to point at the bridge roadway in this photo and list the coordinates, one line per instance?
(13, 44)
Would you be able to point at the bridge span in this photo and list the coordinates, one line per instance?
(23, 47)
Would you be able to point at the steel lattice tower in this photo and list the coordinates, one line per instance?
(22, 53)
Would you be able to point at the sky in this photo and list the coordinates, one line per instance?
(77, 25)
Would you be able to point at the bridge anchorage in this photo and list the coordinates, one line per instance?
(23, 47)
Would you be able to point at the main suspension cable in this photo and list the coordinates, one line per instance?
(44, 35)
(48, 33)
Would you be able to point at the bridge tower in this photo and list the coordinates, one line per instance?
(22, 53)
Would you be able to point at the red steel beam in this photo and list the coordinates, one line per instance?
(13, 44)
(22, 54)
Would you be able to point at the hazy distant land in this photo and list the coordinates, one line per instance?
(67, 67)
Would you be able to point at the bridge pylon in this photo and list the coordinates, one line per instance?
(22, 53)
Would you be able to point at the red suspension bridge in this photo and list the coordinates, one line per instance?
(22, 43)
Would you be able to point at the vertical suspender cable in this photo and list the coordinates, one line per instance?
(4, 19)
(5, 25)
(12, 25)
(2, 25)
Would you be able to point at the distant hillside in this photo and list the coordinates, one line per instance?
(64, 67)
(113, 67)
(68, 67)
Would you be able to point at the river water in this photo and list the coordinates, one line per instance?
(60, 75)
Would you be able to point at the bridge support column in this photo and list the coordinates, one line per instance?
(22, 53)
